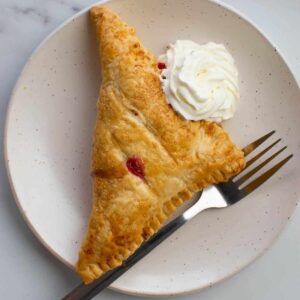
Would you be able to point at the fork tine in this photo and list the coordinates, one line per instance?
(248, 149)
(264, 177)
(259, 155)
(256, 169)
(255, 158)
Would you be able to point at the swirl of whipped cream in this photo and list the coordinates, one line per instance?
(200, 81)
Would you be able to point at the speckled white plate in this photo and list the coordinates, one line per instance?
(48, 140)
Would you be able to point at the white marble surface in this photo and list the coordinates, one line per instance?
(27, 270)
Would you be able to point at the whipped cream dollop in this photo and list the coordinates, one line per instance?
(200, 81)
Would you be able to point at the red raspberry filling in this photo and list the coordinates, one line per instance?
(161, 65)
(135, 165)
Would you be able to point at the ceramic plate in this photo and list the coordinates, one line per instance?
(49, 131)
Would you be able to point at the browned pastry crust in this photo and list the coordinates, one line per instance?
(134, 120)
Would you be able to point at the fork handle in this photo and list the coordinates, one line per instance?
(86, 292)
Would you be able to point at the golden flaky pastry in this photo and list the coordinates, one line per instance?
(146, 159)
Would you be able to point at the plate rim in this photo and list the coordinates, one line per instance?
(46, 245)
